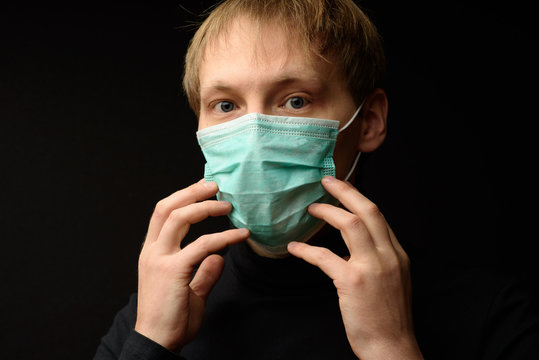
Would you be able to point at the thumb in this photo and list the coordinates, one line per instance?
(205, 278)
(207, 275)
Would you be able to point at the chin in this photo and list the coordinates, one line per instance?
(281, 251)
(269, 252)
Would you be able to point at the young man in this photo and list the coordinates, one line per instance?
(276, 85)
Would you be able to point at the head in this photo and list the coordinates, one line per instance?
(247, 51)
(308, 58)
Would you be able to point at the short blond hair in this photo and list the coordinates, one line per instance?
(335, 30)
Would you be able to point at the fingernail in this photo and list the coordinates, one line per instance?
(312, 206)
(292, 244)
(210, 184)
(328, 179)
(244, 231)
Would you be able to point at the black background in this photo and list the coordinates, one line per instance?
(94, 130)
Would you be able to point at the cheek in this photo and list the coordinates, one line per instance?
(202, 122)
(338, 158)
(345, 153)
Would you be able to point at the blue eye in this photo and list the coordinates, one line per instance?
(295, 102)
(224, 106)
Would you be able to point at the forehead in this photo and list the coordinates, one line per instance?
(248, 49)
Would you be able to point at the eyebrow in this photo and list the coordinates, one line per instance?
(218, 85)
(317, 82)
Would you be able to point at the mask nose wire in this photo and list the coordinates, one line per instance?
(359, 153)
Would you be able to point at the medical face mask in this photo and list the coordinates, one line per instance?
(269, 168)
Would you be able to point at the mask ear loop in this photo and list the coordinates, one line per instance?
(353, 167)
(352, 118)
(359, 153)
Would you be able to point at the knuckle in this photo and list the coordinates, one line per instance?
(162, 208)
(203, 242)
(386, 272)
(373, 210)
(405, 261)
(373, 269)
(353, 222)
(355, 278)
(144, 244)
(196, 287)
(148, 264)
(176, 215)
(390, 271)
(393, 267)
(143, 261)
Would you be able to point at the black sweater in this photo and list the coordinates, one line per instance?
(287, 309)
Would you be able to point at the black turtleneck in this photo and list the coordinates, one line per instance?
(265, 308)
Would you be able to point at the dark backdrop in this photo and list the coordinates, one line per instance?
(94, 130)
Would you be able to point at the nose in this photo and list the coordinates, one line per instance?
(258, 105)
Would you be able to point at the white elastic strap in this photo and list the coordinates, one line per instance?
(353, 117)
(353, 167)
(359, 153)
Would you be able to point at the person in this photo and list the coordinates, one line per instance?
(288, 93)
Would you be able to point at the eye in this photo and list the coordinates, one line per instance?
(224, 106)
(295, 102)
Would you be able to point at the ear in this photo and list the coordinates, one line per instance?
(373, 121)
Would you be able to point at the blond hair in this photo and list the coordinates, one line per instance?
(335, 30)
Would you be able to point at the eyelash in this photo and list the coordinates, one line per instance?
(221, 103)
(217, 106)
(305, 102)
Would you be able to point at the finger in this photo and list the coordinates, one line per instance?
(198, 250)
(207, 275)
(197, 192)
(358, 204)
(178, 222)
(396, 244)
(353, 230)
(331, 264)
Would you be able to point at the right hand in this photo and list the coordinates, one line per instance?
(170, 300)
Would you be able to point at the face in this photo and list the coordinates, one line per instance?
(245, 73)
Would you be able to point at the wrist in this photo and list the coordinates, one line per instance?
(399, 349)
(159, 337)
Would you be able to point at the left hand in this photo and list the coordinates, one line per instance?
(373, 285)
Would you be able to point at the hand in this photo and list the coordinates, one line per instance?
(373, 284)
(170, 301)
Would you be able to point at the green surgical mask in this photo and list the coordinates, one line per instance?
(269, 168)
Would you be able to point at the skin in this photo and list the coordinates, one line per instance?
(241, 74)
